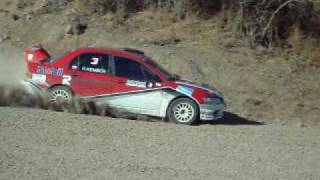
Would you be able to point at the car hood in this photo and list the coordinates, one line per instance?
(202, 86)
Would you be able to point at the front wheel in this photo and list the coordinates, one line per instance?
(183, 111)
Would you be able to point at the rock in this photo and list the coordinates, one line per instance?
(300, 105)
(301, 125)
(255, 102)
(134, 39)
(4, 38)
(69, 30)
(277, 120)
(77, 24)
(141, 40)
(15, 17)
(79, 29)
(28, 17)
(261, 48)
(269, 93)
(168, 41)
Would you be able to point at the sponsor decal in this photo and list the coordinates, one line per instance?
(136, 83)
(185, 90)
(40, 78)
(50, 71)
(202, 86)
(94, 82)
(94, 70)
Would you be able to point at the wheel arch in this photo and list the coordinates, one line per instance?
(57, 85)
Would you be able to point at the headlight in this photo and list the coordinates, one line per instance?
(213, 101)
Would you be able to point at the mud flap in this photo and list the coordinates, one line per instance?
(35, 93)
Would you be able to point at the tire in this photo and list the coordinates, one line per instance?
(60, 98)
(183, 111)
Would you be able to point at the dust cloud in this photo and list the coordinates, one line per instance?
(12, 66)
(12, 72)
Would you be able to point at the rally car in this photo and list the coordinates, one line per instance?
(121, 78)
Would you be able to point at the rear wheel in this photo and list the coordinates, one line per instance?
(183, 111)
(60, 98)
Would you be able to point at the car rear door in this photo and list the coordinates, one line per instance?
(91, 74)
(131, 91)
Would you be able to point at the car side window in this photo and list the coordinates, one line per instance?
(92, 62)
(151, 76)
(128, 69)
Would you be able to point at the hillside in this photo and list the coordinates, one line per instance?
(269, 78)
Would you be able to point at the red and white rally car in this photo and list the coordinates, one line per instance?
(125, 79)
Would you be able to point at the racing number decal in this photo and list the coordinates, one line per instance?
(95, 61)
(66, 80)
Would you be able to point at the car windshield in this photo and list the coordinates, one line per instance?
(155, 65)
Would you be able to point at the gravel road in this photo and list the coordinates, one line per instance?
(39, 144)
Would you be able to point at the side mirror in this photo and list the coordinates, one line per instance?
(176, 76)
(150, 84)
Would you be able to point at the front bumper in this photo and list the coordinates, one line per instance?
(209, 112)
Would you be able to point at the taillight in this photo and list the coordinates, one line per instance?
(30, 57)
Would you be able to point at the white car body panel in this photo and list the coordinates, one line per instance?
(147, 103)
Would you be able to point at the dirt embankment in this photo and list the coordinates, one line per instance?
(274, 86)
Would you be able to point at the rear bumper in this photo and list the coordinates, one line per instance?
(210, 112)
(31, 88)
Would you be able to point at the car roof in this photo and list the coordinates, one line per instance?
(115, 52)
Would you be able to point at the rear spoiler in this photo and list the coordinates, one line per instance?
(36, 54)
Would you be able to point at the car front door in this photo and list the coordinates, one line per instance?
(131, 88)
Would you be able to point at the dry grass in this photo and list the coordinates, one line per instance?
(305, 45)
(263, 22)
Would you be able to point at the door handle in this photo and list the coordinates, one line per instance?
(120, 81)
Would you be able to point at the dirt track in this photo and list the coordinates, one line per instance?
(38, 144)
